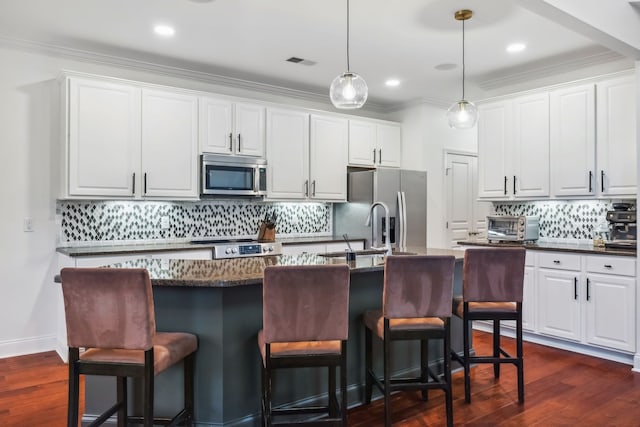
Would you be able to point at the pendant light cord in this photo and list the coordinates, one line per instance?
(348, 67)
(463, 67)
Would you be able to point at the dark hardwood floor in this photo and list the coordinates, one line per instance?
(562, 389)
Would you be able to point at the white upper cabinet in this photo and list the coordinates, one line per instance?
(530, 156)
(228, 127)
(128, 141)
(616, 137)
(328, 148)
(374, 144)
(494, 130)
(287, 154)
(169, 144)
(103, 138)
(572, 130)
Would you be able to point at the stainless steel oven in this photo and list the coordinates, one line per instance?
(233, 176)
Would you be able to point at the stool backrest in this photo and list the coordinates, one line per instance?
(418, 286)
(305, 303)
(493, 274)
(108, 308)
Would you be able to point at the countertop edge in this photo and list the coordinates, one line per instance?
(556, 247)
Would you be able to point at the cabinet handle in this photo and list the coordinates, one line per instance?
(602, 181)
(514, 185)
(306, 188)
(556, 261)
(380, 155)
(239, 143)
(505, 185)
(575, 288)
(145, 183)
(374, 156)
(588, 294)
(133, 180)
(230, 142)
(590, 181)
(313, 188)
(607, 266)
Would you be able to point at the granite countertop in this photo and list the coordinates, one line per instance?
(248, 271)
(79, 251)
(585, 248)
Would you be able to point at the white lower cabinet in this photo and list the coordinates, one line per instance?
(320, 248)
(589, 299)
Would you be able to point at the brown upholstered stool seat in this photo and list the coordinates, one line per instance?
(299, 348)
(478, 307)
(416, 305)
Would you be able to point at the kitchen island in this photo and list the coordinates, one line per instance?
(221, 302)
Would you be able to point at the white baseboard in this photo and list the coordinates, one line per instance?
(23, 346)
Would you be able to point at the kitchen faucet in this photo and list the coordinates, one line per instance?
(387, 245)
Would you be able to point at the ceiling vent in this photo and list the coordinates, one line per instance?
(301, 61)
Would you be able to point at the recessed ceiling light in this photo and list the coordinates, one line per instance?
(392, 83)
(444, 67)
(516, 47)
(164, 30)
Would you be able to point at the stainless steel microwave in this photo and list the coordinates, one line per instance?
(521, 228)
(233, 176)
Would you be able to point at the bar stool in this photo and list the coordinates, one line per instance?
(416, 305)
(305, 324)
(110, 314)
(492, 285)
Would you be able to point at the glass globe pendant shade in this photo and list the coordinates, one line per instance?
(462, 115)
(348, 91)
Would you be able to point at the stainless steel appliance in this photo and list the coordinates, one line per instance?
(522, 228)
(622, 229)
(404, 192)
(240, 248)
(233, 176)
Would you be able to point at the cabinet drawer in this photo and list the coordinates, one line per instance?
(611, 265)
(559, 260)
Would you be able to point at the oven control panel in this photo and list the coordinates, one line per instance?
(238, 250)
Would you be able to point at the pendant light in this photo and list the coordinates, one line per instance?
(348, 90)
(462, 114)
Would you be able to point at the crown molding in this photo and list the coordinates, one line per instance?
(581, 59)
(182, 72)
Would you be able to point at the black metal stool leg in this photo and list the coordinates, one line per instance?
(496, 347)
(368, 381)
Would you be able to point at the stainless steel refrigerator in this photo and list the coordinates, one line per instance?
(403, 191)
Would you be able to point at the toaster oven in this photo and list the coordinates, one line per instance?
(522, 228)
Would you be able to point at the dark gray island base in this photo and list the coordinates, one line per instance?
(221, 302)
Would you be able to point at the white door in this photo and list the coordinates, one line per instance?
(169, 144)
(250, 129)
(287, 154)
(216, 126)
(616, 127)
(104, 138)
(572, 136)
(328, 156)
(466, 216)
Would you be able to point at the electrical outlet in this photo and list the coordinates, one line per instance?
(164, 222)
(27, 224)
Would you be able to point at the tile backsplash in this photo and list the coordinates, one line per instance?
(112, 222)
(561, 219)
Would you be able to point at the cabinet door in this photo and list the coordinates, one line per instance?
(169, 144)
(362, 143)
(610, 311)
(559, 308)
(250, 129)
(529, 300)
(103, 138)
(215, 126)
(531, 146)
(312, 248)
(616, 145)
(494, 130)
(389, 139)
(572, 131)
(287, 154)
(328, 153)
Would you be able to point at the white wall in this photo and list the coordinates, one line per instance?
(425, 136)
(29, 149)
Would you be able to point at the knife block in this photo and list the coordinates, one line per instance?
(266, 234)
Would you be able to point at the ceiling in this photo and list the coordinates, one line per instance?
(249, 41)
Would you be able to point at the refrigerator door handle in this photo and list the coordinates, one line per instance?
(404, 220)
(399, 219)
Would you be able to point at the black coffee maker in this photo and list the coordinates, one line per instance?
(622, 227)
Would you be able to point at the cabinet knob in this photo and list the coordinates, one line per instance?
(607, 266)
(556, 261)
